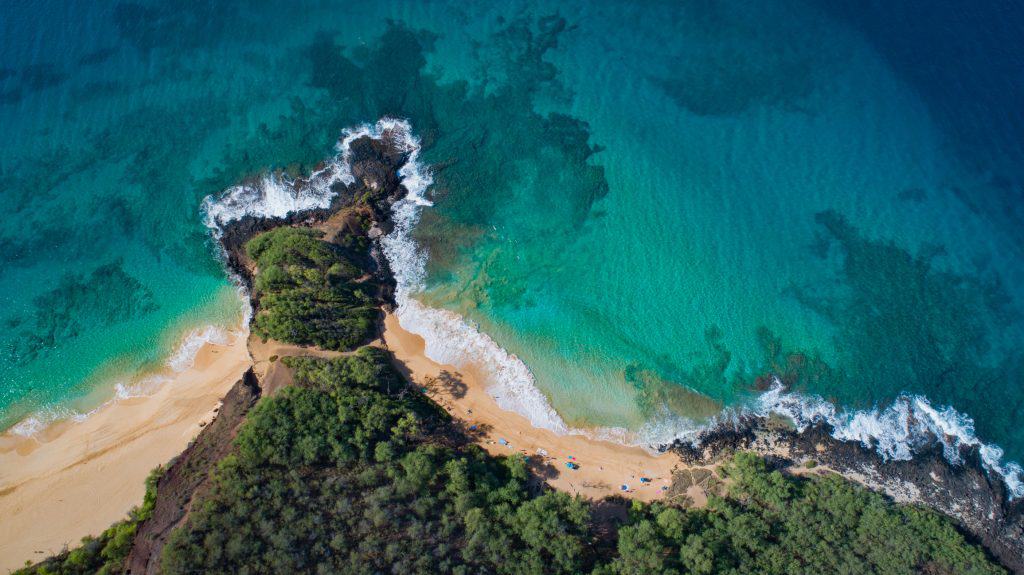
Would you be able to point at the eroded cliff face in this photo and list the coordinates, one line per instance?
(189, 475)
(977, 499)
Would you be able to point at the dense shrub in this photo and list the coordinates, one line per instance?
(347, 472)
(770, 523)
(351, 471)
(341, 473)
(308, 292)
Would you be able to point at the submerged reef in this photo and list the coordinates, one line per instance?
(105, 296)
(348, 468)
(905, 325)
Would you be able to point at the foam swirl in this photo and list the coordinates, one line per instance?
(895, 432)
(184, 357)
(275, 194)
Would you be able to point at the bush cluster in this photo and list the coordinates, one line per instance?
(352, 471)
(770, 523)
(346, 472)
(342, 473)
(309, 293)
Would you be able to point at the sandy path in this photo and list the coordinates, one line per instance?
(273, 375)
(603, 466)
(76, 479)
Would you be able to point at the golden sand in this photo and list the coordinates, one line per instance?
(77, 478)
(604, 467)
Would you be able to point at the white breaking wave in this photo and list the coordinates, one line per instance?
(276, 194)
(895, 432)
(185, 356)
(142, 388)
(449, 338)
(181, 359)
(40, 420)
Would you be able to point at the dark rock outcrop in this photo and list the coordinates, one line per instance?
(966, 492)
(978, 500)
(374, 164)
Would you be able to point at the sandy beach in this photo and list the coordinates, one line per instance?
(77, 478)
(603, 467)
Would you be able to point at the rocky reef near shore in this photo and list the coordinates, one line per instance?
(374, 164)
(977, 499)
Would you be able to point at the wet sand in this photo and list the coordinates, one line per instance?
(604, 467)
(77, 478)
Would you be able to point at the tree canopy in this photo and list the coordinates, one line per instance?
(308, 292)
(350, 471)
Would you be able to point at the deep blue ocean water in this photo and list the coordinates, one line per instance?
(653, 205)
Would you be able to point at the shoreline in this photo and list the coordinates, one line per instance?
(76, 478)
(604, 467)
(107, 457)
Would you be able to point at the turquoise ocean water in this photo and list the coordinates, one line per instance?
(655, 206)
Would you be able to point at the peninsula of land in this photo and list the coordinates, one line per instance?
(327, 440)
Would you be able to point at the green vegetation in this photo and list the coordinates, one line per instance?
(351, 471)
(309, 292)
(105, 554)
(770, 523)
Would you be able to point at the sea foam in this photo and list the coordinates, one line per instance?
(449, 338)
(142, 388)
(184, 357)
(276, 194)
(895, 432)
(43, 418)
(181, 359)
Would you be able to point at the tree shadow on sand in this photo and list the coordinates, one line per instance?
(608, 515)
(541, 471)
(448, 383)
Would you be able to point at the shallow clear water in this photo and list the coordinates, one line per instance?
(651, 204)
